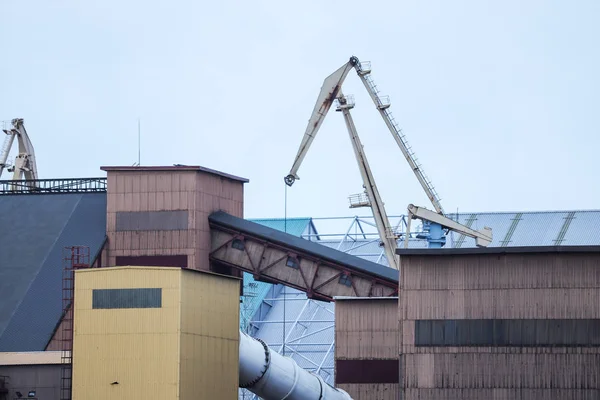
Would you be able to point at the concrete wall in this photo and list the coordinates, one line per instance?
(520, 326)
(366, 347)
(158, 216)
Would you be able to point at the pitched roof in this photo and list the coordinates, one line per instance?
(36, 229)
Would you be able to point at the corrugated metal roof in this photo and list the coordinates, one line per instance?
(37, 229)
(540, 228)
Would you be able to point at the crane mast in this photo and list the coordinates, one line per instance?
(384, 229)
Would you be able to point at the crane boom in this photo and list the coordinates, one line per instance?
(329, 91)
(25, 166)
(386, 234)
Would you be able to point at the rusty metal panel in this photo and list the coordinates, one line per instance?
(510, 325)
(151, 220)
(485, 370)
(500, 394)
(366, 347)
(501, 303)
(358, 391)
(506, 271)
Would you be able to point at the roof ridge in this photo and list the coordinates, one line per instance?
(448, 213)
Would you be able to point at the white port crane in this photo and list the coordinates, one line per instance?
(24, 165)
(330, 91)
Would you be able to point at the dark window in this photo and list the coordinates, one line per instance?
(346, 280)
(367, 371)
(151, 220)
(292, 263)
(508, 332)
(127, 298)
(238, 244)
(154, 261)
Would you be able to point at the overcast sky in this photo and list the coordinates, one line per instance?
(499, 99)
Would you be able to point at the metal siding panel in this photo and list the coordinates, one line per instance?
(366, 339)
(515, 286)
(44, 379)
(209, 351)
(502, 304)
(499, 394)
(509, 271)
(129, 341)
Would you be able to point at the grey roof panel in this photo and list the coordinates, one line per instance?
(31, 262)
(498, 250)
(583, 229)
(28, 236)
(221, 218)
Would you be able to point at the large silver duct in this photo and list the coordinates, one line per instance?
(272, 376)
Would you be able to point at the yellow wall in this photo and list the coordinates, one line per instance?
(187, 349)
(209, 336)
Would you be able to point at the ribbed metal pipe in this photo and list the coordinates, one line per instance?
(275, 377)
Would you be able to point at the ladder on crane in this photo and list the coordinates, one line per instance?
(382, 103)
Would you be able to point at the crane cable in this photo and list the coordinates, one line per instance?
(285, 230)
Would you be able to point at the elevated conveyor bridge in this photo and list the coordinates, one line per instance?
(278, 257)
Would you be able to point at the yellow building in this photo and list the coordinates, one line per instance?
(155, 333)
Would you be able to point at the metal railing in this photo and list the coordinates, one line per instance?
(45, 186)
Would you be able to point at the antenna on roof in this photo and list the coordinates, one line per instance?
(139, 142)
